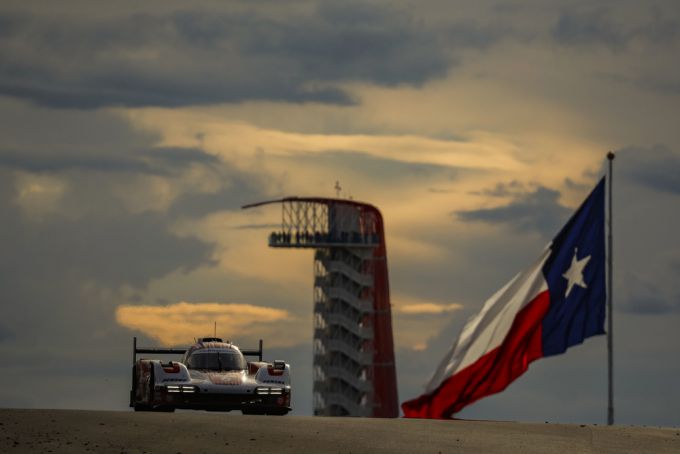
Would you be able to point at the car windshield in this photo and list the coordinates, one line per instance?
(217, 361)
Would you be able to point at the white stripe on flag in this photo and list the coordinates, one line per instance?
(487, 330)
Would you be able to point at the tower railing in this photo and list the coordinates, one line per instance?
(361, 304)
(330, 318)
(342, 373)
(361, 357)
(336, 266)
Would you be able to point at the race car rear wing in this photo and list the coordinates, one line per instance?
(257, 352)
(180, 351)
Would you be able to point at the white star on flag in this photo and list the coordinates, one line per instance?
(574, 274)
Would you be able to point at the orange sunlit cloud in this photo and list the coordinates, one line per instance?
(429, 308)
(180, 323)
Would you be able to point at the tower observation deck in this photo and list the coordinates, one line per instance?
(354, 369)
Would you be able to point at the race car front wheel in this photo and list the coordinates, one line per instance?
(265, 411)
(139, 406)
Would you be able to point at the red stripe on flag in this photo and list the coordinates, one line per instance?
(492, 372)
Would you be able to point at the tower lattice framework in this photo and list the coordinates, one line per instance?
(354, 368)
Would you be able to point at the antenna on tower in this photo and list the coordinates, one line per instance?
(337, 188)
(215, 330)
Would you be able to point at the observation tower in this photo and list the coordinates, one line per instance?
(354, 369)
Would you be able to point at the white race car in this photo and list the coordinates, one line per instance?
(213, 375)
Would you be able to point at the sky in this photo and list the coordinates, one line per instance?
(131, 134)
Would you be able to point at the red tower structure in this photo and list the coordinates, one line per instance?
(354, 367)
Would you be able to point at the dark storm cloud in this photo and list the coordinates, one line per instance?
(656, 167)
(643, 296)
(96, 152)
(598, 27)
(90, 233)
(113, 248)
(650, 289)
(196, 57)
(538, 211)
(352, 41)
(232, 197)
(659, 84)
(664, 83)
(97, 238)
(23, 161)
(158, 161)
(588, 28)
(5, 333)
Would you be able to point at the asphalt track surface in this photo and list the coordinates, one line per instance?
(66, 431)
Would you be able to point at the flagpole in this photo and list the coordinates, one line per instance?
(610, 322)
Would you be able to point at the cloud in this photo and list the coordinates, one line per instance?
(380, 167)
(537, 211)
(416, 322)
(653, 289)
(153, 161)
(576, 186)
(6, 334)
(662, 84)
(655, 167)
(89, 217)
(100, 159)
(193, 57)
(588, 28)
(429, 308)
(643, 296)
(503, 189)
(600, 26)
(111, 248)
(179, 323)
(261, 226)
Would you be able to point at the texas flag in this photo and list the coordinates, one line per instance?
(545, 309)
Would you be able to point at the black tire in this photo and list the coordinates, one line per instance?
(282, 412)
(252, 411)
(164, 409)
(139, 406)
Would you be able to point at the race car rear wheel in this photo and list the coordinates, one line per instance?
(164, 409)
(140, 406)
(265, 411)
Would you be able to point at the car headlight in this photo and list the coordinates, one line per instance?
(266, 390)
(181, 389)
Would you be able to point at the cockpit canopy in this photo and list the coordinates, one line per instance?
(216, 360)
